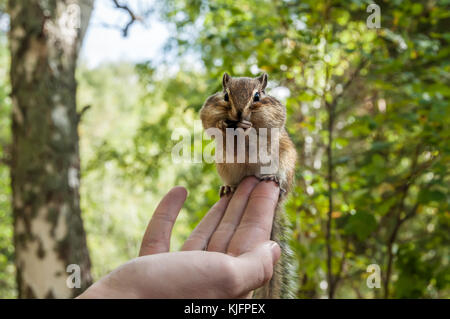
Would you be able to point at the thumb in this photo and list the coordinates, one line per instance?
(257, 265)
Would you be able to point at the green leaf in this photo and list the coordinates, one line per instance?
(426, 196)
(361, 224)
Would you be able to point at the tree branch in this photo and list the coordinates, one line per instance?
(133, 16)
(331, 109)
(347, 84)
(342, 263)
(330, 201)
(392, 240)
(399, 221)
(81, 113)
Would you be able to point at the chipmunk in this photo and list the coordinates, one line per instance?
(244, 106)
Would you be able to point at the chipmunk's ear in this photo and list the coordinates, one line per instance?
(225, 80)
(263, 80)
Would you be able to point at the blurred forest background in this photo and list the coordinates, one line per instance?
(368, 110)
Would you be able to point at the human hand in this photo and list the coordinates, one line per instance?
(238, 259)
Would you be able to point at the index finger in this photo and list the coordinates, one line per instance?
(256, 223)
(232, 217)
(199, 238)
(157, 236)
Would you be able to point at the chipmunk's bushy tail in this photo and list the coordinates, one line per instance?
(284, 282)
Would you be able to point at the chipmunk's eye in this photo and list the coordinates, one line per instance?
(226, 98)
(256, 97)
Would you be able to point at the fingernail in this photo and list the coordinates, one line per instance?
(276, 251)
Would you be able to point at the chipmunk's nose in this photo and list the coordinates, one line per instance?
(239, 118)
(238, 115)
(244, 120)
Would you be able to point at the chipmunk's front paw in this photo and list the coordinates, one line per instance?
(276, 179)
(226, 189)
(270, 177)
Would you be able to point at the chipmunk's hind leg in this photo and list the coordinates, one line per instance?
(226, 189)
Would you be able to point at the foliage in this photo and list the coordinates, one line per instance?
(368, 112)
(126, 156)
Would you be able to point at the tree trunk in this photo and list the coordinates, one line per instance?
(45, 38)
